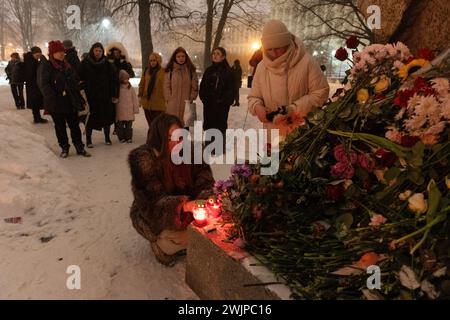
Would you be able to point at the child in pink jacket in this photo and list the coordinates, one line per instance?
(126, 108)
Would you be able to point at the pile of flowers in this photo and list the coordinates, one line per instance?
(365, 181)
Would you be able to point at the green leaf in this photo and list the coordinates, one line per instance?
(434, 197)
(415, 158)
(392, 174)
(415, 176)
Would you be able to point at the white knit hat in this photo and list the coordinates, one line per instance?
(275, 35)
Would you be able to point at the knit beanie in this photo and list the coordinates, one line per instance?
(275, 35)
(35, 50)
(54, 47)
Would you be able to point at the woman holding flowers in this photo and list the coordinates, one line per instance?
(287, 77)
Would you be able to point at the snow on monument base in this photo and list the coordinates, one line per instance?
(217, 270)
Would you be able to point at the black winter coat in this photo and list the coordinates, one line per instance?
(217, 94)
(34, 95)
(15, 72)
(101, 84)
(122, 64)
(72, 59)
(60, 88)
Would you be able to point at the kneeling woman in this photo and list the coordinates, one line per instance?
(165, 193)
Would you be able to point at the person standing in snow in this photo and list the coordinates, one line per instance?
(217, 92)
(35, 101)
(287, 77)
(165, 193)
(180, 83)
(15, 74)
(101, 84)
(126, 108)
(72, 55)
(237, 73)
(151, 89)
(118, 56)
(59, 85)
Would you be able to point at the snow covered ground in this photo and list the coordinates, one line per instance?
(75, 212)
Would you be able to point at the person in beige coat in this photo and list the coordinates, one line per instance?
(126, 108)
(287, 77)
(180, 83)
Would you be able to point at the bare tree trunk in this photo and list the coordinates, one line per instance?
(228, 4)
(145, 30)
(22, 11)
(208, 33)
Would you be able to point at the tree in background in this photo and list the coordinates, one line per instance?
(23, 20)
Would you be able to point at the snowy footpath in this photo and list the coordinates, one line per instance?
(75, 212)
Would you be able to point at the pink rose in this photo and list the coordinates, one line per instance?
(365, 162)
(341, 155)
(377, 220)
(343, 170)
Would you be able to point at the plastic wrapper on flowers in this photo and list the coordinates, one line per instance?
(365, 181)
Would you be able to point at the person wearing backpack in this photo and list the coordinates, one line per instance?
(180, 83)
(15, 75)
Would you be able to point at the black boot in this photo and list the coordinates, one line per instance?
(65, 152)
(89, 139)
(82, 152)
(106, 131)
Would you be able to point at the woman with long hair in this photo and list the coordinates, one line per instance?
(180, 83)
(151, 88)
(165, 193)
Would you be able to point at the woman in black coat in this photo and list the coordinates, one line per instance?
(101, 84)
(237, 73)
(35, 100)
(217, 92)
(59, 85)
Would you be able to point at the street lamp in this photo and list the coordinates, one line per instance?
(256, 45)
(106, 23)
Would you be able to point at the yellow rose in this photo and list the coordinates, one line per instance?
(362, 95)
(382, 85)
(417, 203)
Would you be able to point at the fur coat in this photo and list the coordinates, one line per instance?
(154, 208)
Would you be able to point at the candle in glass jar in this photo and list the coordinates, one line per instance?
(200, 217)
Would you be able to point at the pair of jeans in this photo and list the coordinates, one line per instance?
(17, 92)
(61, 121)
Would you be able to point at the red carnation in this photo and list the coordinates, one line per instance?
(334, 193)
(403, 97)
(409, 141)
(341, 54)
(352, 42)
(426, 54)
(387, 159)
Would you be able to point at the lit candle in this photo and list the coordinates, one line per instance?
(214, 208)
(200, 217)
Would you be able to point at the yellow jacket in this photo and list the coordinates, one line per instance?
(156, 101)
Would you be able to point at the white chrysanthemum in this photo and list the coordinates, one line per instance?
(414, 125)
(398, 64)
(414, 101)
(436, 129)
(405, 54)
(445, 108)
(442, 86)
(400, 115)
(428, 107)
